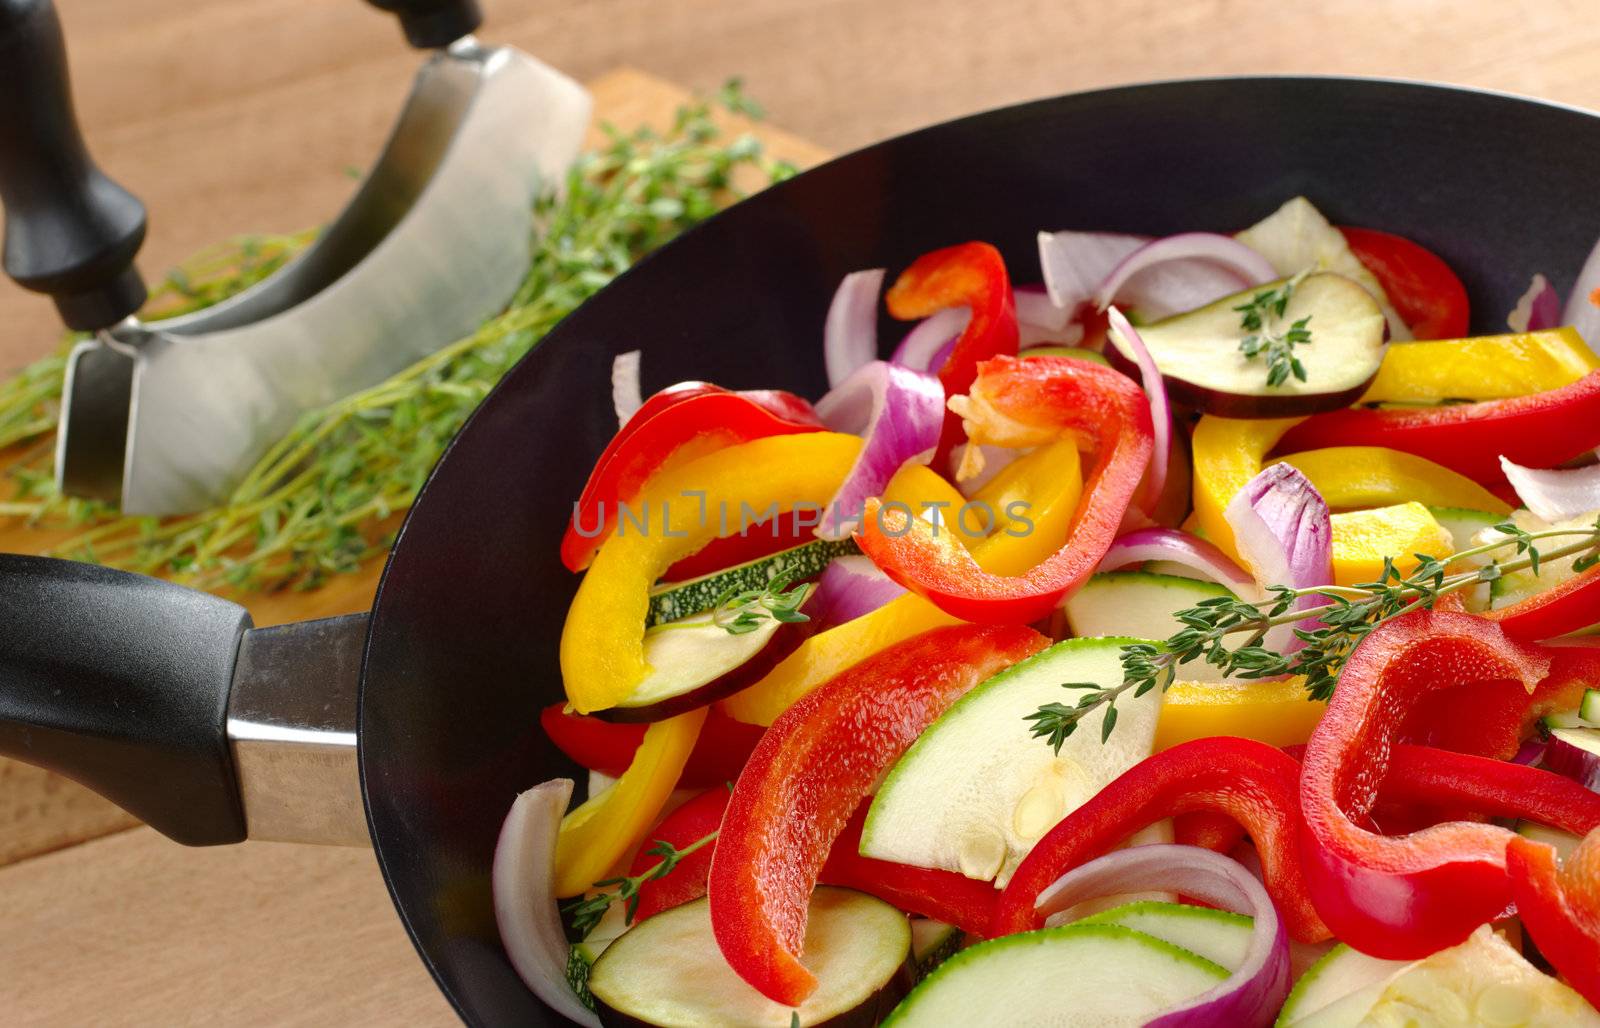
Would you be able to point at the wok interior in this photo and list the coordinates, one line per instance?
(463, 651)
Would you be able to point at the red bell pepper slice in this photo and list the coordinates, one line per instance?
(1541, 430)
(971, 275)
(810, 772)
(1432, 778)
(683, 827)
(719, 753)
(1402, 898)
(678, 424)
(942, 895)
(1560, 908)
(1572, 605)
(1492, 718)
(1423, 289)
(1249, 781)
(1207, 829)
(1046, 397)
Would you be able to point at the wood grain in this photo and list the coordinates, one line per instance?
(134, 930)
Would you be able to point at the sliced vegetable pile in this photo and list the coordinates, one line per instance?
(1198, 638)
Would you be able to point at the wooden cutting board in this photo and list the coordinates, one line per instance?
(128, 928)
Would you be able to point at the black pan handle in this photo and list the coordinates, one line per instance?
(121, 682)
(70, 231)
(429, 24)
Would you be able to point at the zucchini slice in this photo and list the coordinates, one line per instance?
(1115, 976)
(667, 970)
(678, 600)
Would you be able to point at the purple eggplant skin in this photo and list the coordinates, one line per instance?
(1223, 404)
(869, 1013)
(1572, 761)
(785, 640)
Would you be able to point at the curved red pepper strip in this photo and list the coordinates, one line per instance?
(1054, 396)
(1249, 781)
(942, 895)
(1402, 898)
(678, 424)
(683, 827)
(810, 772)
(971, 275)
(1207, 829)
(1561, 907)
(1572, 605)
(1492, 718)
(1431, 777)
(1541, 430)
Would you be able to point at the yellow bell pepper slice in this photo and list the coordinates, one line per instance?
(919, 486)
(602, 643)
(1363, 538)
(1050, 480)
(595, 836)
(1375, 476)
(1228, 452)
(1276, 713)
(1481, 368)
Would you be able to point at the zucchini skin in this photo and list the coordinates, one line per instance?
(685, 599)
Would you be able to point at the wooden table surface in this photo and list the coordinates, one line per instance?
(234, 116)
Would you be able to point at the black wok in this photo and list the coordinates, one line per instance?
(461, 649)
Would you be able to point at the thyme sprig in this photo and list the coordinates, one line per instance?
(1348, 615)
(738, 612)
(1261, 314)
(324, 500)
(587, 911)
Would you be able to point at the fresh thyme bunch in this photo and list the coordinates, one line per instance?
(322, 500)
(1349, 614)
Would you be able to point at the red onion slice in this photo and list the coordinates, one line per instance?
(1575, 753)
(928, 344)
(1529, 753)
(1182, 272)
(850, 335)
(1075, 263)
(1583, 305)
(626, 398)
(1253, 994)
(1537, 309)
(1036, 308)
(1155, 476)
(850, 587)
(1191, 551)
(1282, 531)
(523, 881)
(900, 412)
(1555, 494)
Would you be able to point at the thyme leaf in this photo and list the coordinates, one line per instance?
(1261, 315)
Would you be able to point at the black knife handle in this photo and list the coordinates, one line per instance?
(70, 231)
(121, 683)
(429, 24)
